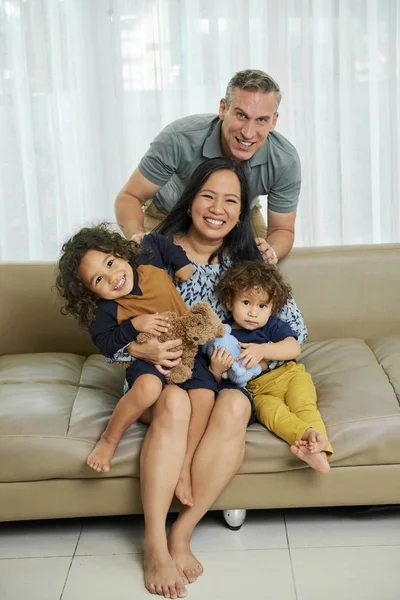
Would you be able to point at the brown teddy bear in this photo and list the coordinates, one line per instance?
(198, 326)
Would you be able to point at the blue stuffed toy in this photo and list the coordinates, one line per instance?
(237, 374)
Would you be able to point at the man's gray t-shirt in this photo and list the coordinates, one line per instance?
(181, 146)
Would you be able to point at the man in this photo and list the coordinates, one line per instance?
(243, 130)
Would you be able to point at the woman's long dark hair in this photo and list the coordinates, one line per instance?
(239, 244)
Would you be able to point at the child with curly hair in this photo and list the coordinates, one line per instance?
(285, 397)
(115, 288)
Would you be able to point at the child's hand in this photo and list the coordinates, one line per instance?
(251, 355)
(184, 273)
(221, 360)
(154, 324)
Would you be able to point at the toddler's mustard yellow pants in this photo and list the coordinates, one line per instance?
(286, 402)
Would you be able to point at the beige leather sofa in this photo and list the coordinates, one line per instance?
(56, 395)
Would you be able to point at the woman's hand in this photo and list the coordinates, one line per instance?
(167, 354)
(221, 360)
(267, 252)
(155, 324)
(137, 237)
(251, 355)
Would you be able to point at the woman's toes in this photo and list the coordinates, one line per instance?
(165, 591)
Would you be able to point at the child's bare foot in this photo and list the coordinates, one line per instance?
(316, 461)
(314, 441)
(184, 558)
(100, 457)
(161, 576)
(183, 490)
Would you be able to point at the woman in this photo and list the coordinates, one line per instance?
(212, 224)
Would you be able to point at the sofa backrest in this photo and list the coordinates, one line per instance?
(30, 319)
(347, 291)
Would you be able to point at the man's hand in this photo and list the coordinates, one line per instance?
(221, 360)
(251, 355)
(267, 252)
(155, 324)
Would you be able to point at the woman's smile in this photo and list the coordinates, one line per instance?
(214, 222)
(216, 208)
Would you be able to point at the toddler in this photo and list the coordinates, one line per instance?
(285, 397)
(115, 288)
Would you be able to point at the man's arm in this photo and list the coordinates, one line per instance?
(281, 232)
(129, 202)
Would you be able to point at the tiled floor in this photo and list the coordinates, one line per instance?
(333, 554)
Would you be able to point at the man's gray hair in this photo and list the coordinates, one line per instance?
(253, 80)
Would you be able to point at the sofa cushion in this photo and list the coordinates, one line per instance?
(55, 406)
(358, 386)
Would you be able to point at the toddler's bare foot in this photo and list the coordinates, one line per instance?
(315, 441)
(317, 461)
(161, 576)
(100, 457)
(184, 558)
(183, 490)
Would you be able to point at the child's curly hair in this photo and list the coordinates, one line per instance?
(245, 275)
(80, 301)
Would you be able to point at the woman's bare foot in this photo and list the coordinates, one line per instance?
(313, 440)
(184, 558)
(100, 457)
(317, 461)
(161, 576)
(183, 490)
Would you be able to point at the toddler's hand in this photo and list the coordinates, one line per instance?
(154, 324)
(251, 355)
(221, 360)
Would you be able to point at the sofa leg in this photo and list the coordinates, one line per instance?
(235, 518)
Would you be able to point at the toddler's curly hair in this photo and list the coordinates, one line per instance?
(246, 275)
(81, 302)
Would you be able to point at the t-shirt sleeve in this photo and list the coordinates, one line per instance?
(162, 159)
(105, 332)
(281, 331)
(283, 197)
(169, 255)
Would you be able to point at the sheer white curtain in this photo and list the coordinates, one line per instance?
(85, 85)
